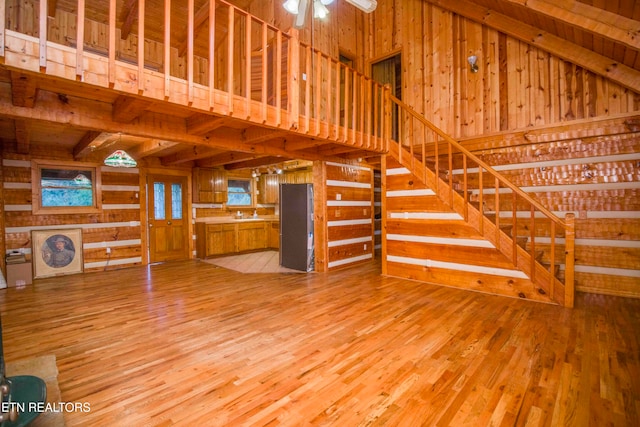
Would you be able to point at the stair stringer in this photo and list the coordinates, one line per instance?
(518, 258)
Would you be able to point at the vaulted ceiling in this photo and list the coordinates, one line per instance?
(600, 35)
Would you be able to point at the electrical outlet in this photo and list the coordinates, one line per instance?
(365, 246)
(108, 250)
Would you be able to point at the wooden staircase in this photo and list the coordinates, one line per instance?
(529, 235)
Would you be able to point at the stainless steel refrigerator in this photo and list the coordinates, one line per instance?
(296, 226)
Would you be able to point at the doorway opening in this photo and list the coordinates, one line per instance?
(389, 71)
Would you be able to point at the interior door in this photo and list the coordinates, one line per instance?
(168, 225)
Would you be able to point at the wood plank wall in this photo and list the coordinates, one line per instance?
(427, 241)
(517, 86)
(116, 226)
(349, 213)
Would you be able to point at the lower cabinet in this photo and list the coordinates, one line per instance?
(230, 238)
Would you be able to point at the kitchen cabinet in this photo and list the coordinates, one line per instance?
(210, 185)
(268, 188)
(236, 236)
(273, 231)
(251, 236)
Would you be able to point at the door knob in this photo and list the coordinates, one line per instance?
(169, 222)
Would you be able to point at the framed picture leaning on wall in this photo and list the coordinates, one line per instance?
(56, 252)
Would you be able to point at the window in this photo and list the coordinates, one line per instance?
(239, 192)
(65, 187)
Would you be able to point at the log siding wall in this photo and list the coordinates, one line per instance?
(349, 214)
(117, 226)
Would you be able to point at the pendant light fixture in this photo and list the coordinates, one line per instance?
(120, 159)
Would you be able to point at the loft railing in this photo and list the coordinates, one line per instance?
(225, 61)
(533, 238)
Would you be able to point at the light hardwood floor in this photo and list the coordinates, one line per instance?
(189, 344)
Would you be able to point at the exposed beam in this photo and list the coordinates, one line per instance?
(188, 155)
(602, 23)
(599, 64)
(81, 147)
(22, 136)
(201, 124)
(128, 16)
(226, 158)
(150, 147)
(126, 108)
(295, 143)
(255, 135)
(254, 163)
(23, 90)
(51, 8)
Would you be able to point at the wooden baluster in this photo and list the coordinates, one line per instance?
(278, 88)
(230, 60)
(307, 90)
(376, 113)
(141, 43)
(346, 103)
(247, 68)
(552, 257)
(317, 91)
(480, 201)
(450, 155)
(190, 30)
(3, 17)
(42, 33)
(569, 250)
(437, 159)
(354, 117)
(369, 112)
(293, 94)
(412, 153)
(166, 50)
(362, 109)
(80, 40)
(497, 212)
(112, 43)
(465, 184)
(514, 230)
(337, 102)
(264, 74)
(329, 90)
(532, 236)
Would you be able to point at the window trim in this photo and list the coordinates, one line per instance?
(250, 192)
(36, 189)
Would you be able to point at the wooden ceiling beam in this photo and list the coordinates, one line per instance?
(150, 147)
(126, 108)
(592, 19)
(254, 163)
(81, 148)
(599, 64)
(128, 16)
(226, 158)
(201, 124)
(51, 8)
(22, 136)
(24, 90)
(90, 114)
(188, 155)
(256, 135)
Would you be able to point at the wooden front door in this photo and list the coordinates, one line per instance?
(168, 224)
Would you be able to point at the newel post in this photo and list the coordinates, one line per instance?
(569, 264)
(293, 104)
(387, 120)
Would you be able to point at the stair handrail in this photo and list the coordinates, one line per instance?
(568, 226)
(480, 163)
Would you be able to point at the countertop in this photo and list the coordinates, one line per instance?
(233, 220)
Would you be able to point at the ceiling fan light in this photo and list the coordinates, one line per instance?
(367, 6)
(319, 10)
(291, 6)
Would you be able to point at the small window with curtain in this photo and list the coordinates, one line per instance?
(239, 192)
